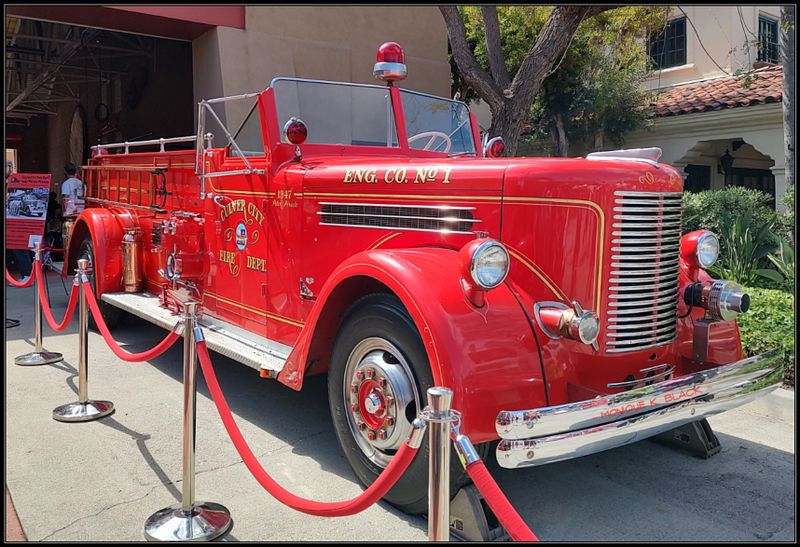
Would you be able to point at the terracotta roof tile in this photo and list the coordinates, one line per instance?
(720, 93)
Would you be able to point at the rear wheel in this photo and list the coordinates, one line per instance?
(378, 378)
(110, 313)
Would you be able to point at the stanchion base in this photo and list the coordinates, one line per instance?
(206, 521)
(38, 358)
(83, 412)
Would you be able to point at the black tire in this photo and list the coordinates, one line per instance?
(111, 314)
(373, 322)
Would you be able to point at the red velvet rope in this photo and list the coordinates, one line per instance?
(48, 313)
(160, 348)
(376, 490)
(499, 504)
(17, 284)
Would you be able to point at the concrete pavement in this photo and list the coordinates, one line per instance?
(99, 481)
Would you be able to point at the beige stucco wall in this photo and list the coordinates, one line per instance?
(318, 42)
(721, 38)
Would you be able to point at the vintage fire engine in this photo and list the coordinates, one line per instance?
(366, 232)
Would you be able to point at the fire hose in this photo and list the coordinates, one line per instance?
(372, 494)
(48, 313)
(17, 284)
(152, 353)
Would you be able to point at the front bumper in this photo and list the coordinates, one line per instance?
(551, 434)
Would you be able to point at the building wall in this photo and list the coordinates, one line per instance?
(723, 40)
(326, 43)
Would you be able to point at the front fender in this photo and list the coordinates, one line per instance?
(106, 228)
(488, 356)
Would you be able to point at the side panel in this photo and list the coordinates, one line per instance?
(487, 355)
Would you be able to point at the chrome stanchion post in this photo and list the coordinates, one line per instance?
(438, 413)
(38, 356)
(85, 409)
(189, 520)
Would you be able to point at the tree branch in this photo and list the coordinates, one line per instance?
(494, 51)
(471, 71)
(551, 43)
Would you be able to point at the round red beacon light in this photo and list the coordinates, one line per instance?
(296, 131)
(390, 63)
(495, 147)
(390, 52)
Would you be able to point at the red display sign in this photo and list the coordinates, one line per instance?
(26, 209)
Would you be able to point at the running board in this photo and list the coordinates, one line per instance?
(245, 347)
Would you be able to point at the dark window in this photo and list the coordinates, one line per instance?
(767, 39)
(668, 48)
(756, 179)
(698, 178)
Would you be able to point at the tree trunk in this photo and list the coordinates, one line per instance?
(560, 140)
(787, 58)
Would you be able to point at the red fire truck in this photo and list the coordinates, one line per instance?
(367, 232)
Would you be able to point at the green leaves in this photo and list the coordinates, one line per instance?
(769, 324)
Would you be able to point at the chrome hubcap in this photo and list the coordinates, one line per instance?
(380, 393)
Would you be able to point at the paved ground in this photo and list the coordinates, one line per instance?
(101, 480)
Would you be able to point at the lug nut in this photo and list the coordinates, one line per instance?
(353, 407)
(371, 435)
(382, 434)
(390, 421)
(370, 373)
(359, 375)
(383, 382)
(353, 388)
(361, 426)
(389, 400)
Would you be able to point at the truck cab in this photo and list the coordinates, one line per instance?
(367, 232)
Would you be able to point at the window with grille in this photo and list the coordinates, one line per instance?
(668, 48)
(767, 39)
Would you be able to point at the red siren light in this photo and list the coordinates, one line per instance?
(495, 147)
(296, 131)
(390, 63)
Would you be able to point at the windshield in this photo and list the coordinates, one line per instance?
(337, 113)
(437, 124)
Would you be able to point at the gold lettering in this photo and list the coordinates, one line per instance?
(255, 212)
(257, 264)
(358, 176)
(386, 175)
(227, 257)
(425, 175)
(348, 177)
(447, 175)
(371, 177)
(401, 176)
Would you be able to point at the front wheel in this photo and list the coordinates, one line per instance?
(110, 313)
(378, 376)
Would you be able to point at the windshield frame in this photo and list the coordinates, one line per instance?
(399, 120)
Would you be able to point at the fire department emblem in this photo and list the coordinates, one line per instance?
(241, 237)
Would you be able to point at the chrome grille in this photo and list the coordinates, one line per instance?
(643, 285)
(437, 218)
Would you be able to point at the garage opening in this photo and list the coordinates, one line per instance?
(69, 87)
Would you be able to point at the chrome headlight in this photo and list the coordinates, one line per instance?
(489, 265)
(707, 249)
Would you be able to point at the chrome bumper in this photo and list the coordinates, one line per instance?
(551, 434)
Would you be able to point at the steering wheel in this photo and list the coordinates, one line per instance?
(433, 135)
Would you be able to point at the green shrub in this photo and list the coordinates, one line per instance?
(715, 209)
(769, 324)
(744, 247)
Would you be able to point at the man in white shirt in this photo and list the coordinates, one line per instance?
(71, 191)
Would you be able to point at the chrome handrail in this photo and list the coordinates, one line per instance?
(128, 144)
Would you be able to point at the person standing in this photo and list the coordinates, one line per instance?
(71, 191)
